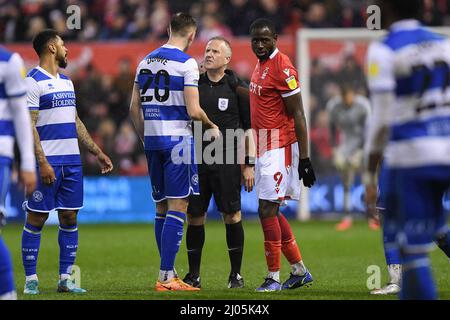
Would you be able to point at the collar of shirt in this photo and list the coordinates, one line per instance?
(272, 55)
(212, 83)
(406, 24)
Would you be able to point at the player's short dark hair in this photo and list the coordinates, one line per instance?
(263, 23)
(181, 22)
(40, 41)
(406, 9)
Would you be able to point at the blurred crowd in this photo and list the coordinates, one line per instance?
(148, 19)
(103, 100)
(103, 105)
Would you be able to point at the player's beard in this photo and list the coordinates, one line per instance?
(62, 62)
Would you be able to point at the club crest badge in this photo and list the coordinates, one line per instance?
(194, 179)
(37, 196)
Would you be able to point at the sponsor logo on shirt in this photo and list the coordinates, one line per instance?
(374, 70)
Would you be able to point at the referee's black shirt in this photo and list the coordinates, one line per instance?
(223, 105)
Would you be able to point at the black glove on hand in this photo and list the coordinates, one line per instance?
(306, 172)
(233, 80)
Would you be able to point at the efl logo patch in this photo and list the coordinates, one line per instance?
(291, 82)
(374, 70)
(38, 196)
(223, 104)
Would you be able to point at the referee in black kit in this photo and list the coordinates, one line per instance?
(224, 97)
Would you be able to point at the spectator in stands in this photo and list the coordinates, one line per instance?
(271, 10)
(159, 19)
(242, 11)
(212, 27)
(316, 16)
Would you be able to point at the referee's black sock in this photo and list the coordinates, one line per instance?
(195, 238)
(235, 242)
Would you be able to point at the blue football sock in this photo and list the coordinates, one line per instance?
(443, 243)
(417, 280)
(6, 270)
(171, 237)
(159, 224)
(68, 245)
(392, 255)
(31, 240)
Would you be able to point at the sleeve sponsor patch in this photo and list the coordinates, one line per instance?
(23, 72)
(374, 70)
(291, 82)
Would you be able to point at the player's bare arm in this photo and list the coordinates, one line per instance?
(378, 134)
(248, 172)
(85, 138)
(194, 110)
(294, 107)
(45, 169)
(135, 112)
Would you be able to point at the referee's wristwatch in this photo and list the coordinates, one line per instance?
(249, 161)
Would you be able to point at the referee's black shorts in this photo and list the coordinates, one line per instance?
(223, 181)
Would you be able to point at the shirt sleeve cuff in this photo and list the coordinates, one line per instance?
(290, 93)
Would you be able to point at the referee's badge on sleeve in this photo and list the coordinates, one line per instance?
(223, 104)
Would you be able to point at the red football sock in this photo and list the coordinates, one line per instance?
(288, 244)
(272, 242)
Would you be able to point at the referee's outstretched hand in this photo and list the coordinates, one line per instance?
(306, 172)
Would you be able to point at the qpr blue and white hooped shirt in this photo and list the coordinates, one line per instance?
(54, 97)
(414, 63)
(11, 86)
(161, 77)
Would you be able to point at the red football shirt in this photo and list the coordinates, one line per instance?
(272, 80)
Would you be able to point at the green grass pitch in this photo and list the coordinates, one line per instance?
(122, 262)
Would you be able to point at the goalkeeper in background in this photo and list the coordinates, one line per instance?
(348, 113)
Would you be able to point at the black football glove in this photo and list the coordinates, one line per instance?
(306, 172)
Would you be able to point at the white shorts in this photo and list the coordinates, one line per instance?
(276, 174)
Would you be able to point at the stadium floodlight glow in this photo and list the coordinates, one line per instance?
(304, 38)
